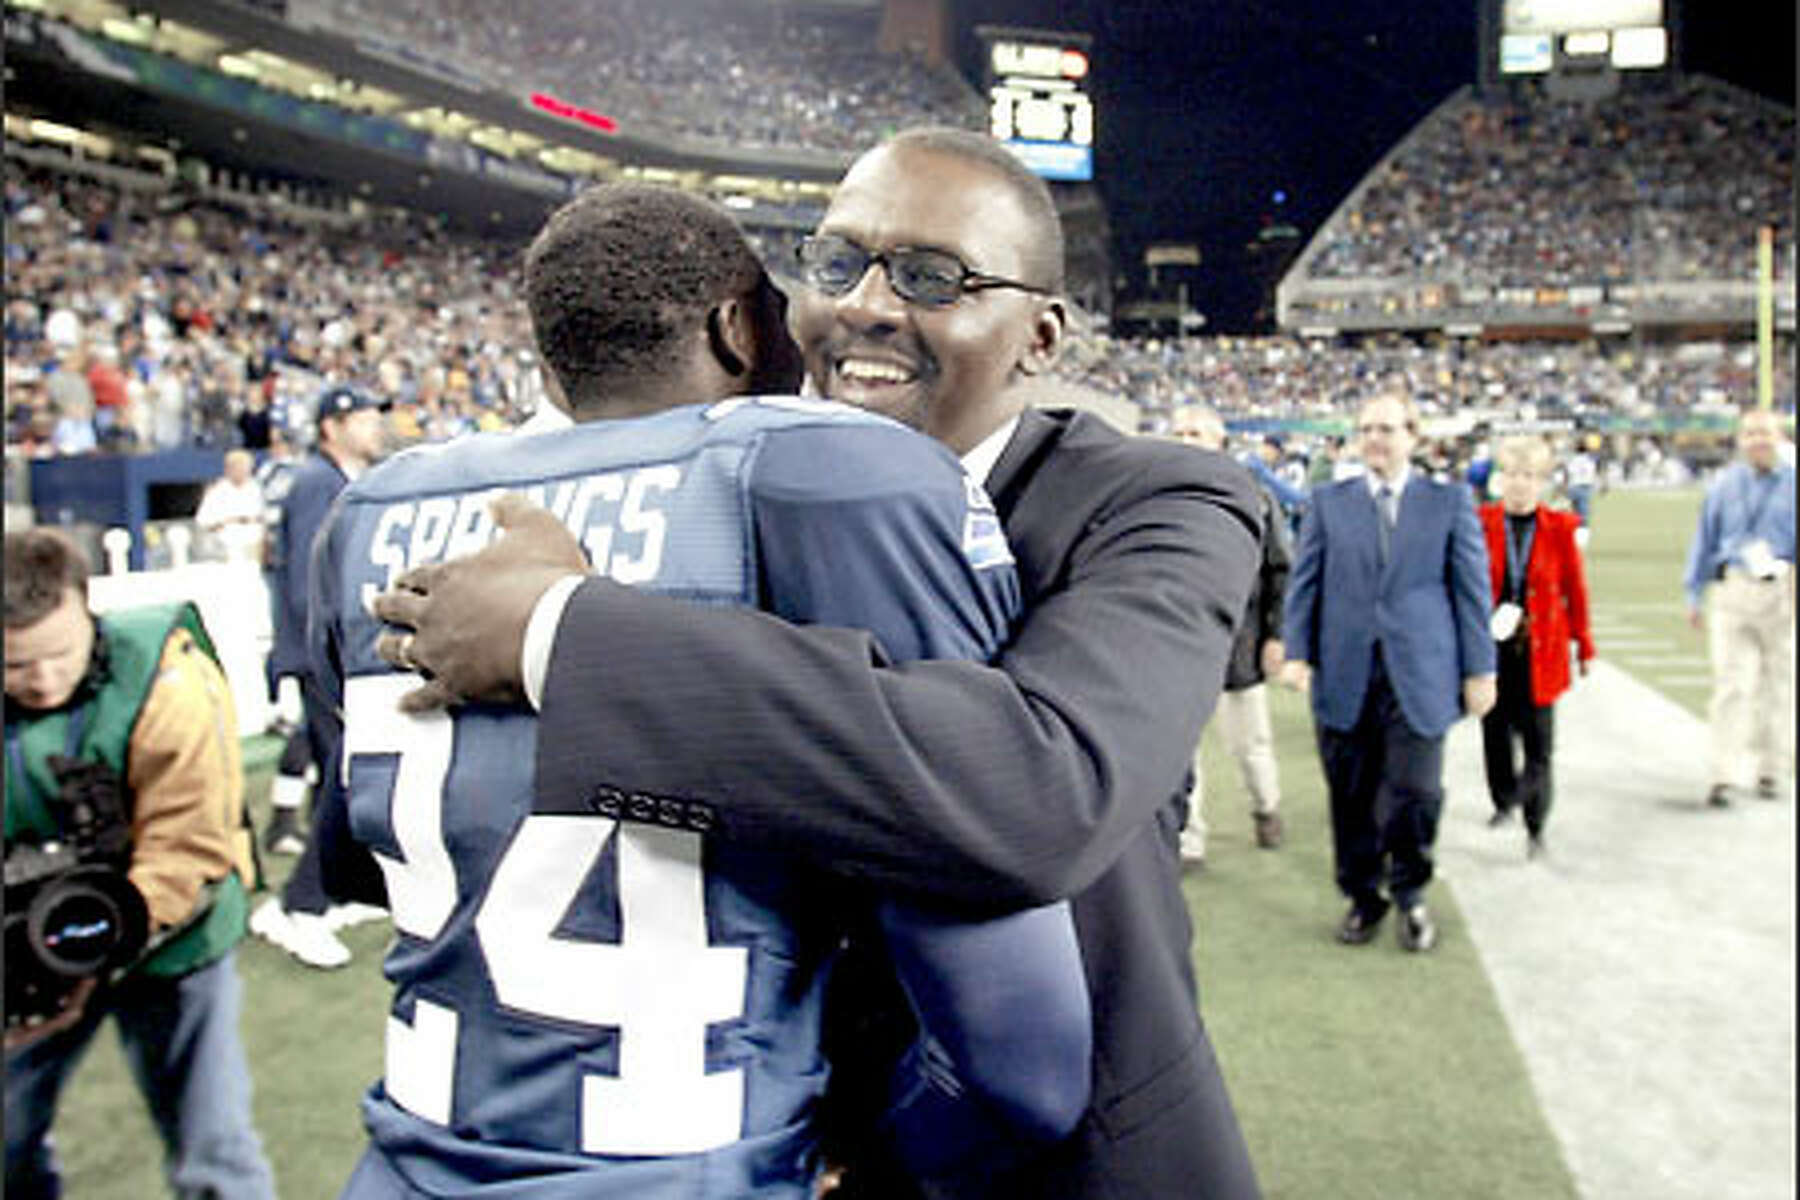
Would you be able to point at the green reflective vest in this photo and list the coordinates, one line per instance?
(133, 641)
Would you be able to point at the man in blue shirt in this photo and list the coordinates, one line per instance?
(1744, 548)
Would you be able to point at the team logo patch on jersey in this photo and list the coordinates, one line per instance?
(984, 541)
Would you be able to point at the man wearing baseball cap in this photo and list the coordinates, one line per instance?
(352, 436)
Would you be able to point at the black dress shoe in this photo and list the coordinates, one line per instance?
(1765, 787)
(1502, 816)
(1417, 931)
(1534, 846)
(1719, 797)
(1358, 927)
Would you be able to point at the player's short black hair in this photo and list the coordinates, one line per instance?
(1044, 243)
(41, 566)
(618, 275)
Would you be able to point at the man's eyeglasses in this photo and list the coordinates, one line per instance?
(919, 275)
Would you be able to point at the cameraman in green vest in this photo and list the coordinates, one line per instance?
(127, 864)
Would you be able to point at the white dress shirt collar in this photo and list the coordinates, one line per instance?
(979, 461)
(1397, 483)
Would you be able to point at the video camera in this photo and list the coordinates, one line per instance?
(71, 913)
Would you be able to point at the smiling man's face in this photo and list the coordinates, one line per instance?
(950, 371)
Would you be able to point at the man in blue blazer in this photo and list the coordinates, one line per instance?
(1388, 605)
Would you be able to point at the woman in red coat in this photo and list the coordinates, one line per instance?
(1540, 607)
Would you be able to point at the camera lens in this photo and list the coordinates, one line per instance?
(83, 921)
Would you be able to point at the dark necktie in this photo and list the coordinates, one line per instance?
(1384, 508)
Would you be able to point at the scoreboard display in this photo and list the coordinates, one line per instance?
(1537, 36)
(1038, 103)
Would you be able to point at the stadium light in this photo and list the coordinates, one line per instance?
(50, 131)
(239, 66)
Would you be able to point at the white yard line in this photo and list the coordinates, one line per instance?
(1647, 967)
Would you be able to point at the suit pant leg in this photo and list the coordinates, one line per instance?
(304, 891)
(1243, 717)
(1409, 797)
(1736, 660)
(1352, 762)
(1193, 821)
(1502, 729)
(1537, 729)
(1773, 745)
(1497, 759)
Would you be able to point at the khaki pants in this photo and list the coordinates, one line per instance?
(1750, 639)
(1243, 720)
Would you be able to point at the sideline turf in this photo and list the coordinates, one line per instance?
(1357, 1073)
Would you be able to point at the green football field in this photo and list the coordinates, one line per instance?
(1356, 1074)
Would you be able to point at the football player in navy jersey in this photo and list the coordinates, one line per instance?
(590, 997)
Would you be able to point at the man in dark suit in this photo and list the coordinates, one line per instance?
(1387, 622)
(934, 296)
(352, 438)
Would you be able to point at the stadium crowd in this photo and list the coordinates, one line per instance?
(1285, 378)
(756, 76)
(140, 320)
(146, 320)
(1658, 182)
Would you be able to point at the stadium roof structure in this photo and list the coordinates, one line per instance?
(245, 91)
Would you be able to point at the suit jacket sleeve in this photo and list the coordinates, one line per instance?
(1277, 561)
(303, 512)
(1575, 590)
(1471, 591)
(994, 786)
(1300, 608)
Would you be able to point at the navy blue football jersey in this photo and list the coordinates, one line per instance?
(594, 1007)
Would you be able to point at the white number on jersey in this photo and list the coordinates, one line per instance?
(660, 985)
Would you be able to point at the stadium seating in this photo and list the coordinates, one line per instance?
(1643, 207)
(745, 74)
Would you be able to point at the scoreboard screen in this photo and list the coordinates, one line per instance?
(1537, 35)
(1574, 16)
(1037, 104)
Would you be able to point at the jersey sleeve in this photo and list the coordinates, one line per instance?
(880, 530)
(1001, 1068)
